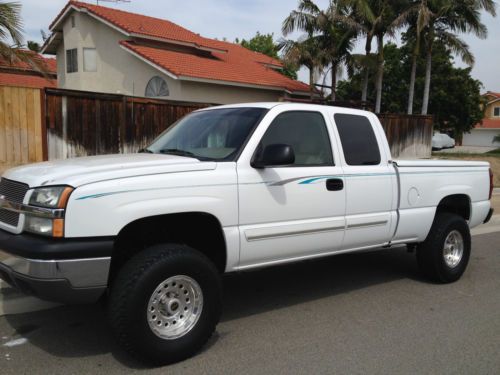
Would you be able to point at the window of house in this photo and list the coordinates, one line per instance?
(496, 111)
(71, 60)
(306, 132)
(72, 21)
(89, 60)
(358, 140)
(157, 87)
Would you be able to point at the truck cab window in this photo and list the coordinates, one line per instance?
(358, 139)
(306, 132)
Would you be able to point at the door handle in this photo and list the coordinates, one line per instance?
(334, 184)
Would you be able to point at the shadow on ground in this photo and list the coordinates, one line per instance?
(82, 331)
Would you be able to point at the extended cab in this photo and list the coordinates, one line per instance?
(227, 189)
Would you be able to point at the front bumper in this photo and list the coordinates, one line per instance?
(60, 270)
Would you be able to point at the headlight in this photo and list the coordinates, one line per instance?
(50, 197)
(54, 198)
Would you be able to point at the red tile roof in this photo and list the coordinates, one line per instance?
(25, 80)
(489, 124)
(229, 62)
(239, 65)
(21, 65)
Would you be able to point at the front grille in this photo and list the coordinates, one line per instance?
(14, 192)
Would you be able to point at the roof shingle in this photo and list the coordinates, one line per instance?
(25, 80)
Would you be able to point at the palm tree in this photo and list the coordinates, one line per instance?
(11, 40)
(304, 52)
(334, 39)
(375, 19)
(443, 19)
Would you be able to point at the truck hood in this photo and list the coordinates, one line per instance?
(81, 171)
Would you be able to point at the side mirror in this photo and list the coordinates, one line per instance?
(274, 155)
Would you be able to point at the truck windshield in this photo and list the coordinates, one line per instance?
(217, 134)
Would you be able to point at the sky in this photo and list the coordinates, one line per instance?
(233, 19)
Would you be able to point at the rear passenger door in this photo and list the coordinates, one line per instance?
(370, 181)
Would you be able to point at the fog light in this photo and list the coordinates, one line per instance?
(38, 225)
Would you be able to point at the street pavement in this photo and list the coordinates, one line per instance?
(356, 313)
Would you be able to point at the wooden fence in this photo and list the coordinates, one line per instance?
(50, 124)
(409, 136)
(83, 123)
(21, 130)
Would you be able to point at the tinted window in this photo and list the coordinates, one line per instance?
(306, 132)
(358, 140)
(217, 134)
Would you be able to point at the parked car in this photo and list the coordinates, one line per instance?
(227, 189)
(441, 140)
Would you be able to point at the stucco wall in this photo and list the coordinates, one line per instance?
(481, 137)
(120, 72)
(489, 110)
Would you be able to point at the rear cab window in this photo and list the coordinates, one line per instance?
(358, 139)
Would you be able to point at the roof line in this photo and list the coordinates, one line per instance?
(125, 32)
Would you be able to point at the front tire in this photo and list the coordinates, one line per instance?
(165, 303)
(445, 253)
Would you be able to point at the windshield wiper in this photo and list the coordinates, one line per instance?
(145, 151)
(176, 151)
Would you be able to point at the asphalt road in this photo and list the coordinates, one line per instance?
(359, 313)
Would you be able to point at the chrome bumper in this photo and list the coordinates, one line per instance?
(80, 273)
(61, 270)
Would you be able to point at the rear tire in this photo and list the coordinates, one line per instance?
(445, 253)
(165, 303)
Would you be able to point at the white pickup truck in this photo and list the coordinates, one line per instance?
(227, 189)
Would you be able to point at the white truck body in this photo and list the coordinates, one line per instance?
(270, 215)
(227, 189)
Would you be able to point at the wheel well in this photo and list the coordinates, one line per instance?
(458, 204)
(198, 230)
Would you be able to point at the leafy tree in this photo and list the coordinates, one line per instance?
(455, 98)
(264, 43)
(375, 19)
(33, 46)
(304, 52)
(336, 39)
(443, 19)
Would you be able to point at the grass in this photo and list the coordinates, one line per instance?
(494, 152)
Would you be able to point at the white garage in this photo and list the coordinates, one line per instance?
(483, 135)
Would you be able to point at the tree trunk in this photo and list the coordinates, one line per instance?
(311, 81)
(380, 73)
(427, 87)
(411, 93)
(334, 82)
(368, 49)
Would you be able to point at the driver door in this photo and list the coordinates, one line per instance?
(292, 211)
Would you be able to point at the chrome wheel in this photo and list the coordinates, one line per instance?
(453, 249)
(175, 307)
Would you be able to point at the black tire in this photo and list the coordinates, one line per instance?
(134, 285)
(430, 253)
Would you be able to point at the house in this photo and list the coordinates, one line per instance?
(108, 50)
(483, 133)
(21, 74)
